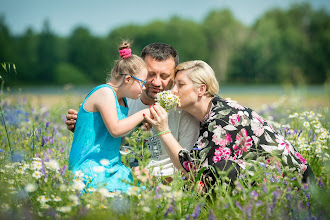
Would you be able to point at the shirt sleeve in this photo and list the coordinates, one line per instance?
(188, 130)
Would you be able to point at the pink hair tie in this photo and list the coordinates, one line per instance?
(125, 53)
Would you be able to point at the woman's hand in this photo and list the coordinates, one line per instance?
(159, 118)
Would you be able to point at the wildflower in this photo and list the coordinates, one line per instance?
(295, 115)
(11, 181)
(306, 124)
(146, 209)
(197, 211)
(104, 192)
(5, 207)
(36, 175)
(30, 187)
(104, 162)
(43, 199)
(91, 189)
(79, 174)
(57, 199)
(36, 165)
(78, 185)
(64, 209)
(44, 206)
(211, 215)
(167, 100)
(52, 165)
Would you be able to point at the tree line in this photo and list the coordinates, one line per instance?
(282, 46)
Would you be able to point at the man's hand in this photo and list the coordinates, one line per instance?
(71, 118)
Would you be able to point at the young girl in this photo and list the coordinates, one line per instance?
(103, 120)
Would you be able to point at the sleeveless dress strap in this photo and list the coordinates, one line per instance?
(101, 86)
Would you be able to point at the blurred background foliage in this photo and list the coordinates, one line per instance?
(282, 46)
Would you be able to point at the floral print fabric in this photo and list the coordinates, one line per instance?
(238, 134)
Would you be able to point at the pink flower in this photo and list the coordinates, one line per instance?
(221, 153)
(243, 142)
(222, 139)
(234, 119)
(301, 158)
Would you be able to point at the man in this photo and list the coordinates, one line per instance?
(161, 60)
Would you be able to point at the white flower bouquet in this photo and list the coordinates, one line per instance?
(167, 100)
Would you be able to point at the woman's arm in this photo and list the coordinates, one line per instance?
(160, 123)
(105, 104)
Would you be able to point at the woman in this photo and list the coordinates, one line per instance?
(230, 134)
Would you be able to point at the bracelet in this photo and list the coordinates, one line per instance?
(163, 132)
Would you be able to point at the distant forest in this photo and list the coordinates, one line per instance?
(282, 46)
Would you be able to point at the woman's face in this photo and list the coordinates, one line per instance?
(184, 89)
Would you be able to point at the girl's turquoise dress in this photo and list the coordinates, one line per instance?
(92, 143)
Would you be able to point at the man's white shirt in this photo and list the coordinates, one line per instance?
(183, 126)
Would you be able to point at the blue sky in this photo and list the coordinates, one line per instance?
(101, 16)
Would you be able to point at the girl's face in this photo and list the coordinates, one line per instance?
(185, 90)
(137, 85)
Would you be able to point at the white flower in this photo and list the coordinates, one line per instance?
(36, 165)
(36, 174)
(104, 162)
(53, 165)
(306, 124)
(43, 199)
(30, 187)
(167, 100)
(44, 206)
(78, 185)
(64, 209)
(79, 174)
(11, 181)
(4, 206)
(57, 199)
(63, 187)
(91, 189)
(20, 171)
(104, 192)
(146, 209)
(73, 198)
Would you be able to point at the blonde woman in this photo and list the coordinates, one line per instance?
(230, 134)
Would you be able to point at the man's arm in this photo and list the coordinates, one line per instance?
(71, 119)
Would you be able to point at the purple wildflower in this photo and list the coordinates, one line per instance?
(197, 211)
(43, 141)
(254, 195)
(63, 169)
(320, 182)
(239, 206)
(211, 215)
(169, 210)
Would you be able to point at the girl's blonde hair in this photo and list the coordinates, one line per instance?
(131, 65)
(200, 73)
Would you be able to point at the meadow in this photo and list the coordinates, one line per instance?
(35, 182)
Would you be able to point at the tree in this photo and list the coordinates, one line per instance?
(47, 57)
(224, 35)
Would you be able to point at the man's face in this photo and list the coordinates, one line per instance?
(160, 75)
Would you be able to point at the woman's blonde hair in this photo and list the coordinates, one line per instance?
(200, 73)
(131, 65)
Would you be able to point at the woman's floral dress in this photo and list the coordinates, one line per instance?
(233, 134)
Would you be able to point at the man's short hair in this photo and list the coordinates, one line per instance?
(160, 52)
